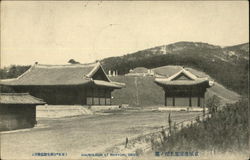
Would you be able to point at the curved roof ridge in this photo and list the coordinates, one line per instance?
(64, 65)
(16, 94)
(110, 84)
(141, 67)
(95, 69)
(25, 72)
(39, 99)
(189, 74)
(184, 71)
(7, 80)
(44, 75)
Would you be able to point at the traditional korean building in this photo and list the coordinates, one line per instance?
(140, 71)
(184, 89)
(84, 84)
(18, 110)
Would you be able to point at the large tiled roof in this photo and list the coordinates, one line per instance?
(181, 82)
(140, 70)
(191, 79)
(19, 98)
(42, 75)
(108, 84)
(167, 71)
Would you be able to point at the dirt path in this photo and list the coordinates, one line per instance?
(83, 134)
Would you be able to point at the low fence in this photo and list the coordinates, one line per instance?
(104, 108)
(58, 111)
(145, 142)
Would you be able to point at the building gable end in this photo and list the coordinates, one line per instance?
(182, 76)
(99, 74)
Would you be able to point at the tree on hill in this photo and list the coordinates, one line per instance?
(13, 71)
(72, 61)
(215, 61)
(213, 104)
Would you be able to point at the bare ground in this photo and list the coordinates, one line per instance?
(83, 134)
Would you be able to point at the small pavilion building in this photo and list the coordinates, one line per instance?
(18, 110)
(184, 89)
(80, 84)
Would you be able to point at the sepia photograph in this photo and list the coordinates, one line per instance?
(124, 80)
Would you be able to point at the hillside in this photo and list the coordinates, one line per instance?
(139, 91)
(241, 50)
(142, 91)
(225, 131)
(228, 65)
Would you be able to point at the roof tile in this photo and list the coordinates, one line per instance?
(19, 98)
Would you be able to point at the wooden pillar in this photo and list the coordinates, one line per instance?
(190, 98)
(99, 97)
(165, 98)
(105, 96)
(199, 101)
(110, 96)
(173, 100)
(203, 107)
(190, 101)
(85, 95)
(92, 95)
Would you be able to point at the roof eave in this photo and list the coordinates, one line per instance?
(24, 103)
(176, 84)
(114, 85)
(73, 84)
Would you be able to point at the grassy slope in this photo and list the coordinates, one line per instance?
(226, 130)
(228, 66)
(150, 94)
(226, 95)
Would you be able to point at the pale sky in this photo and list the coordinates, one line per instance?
(54, 32)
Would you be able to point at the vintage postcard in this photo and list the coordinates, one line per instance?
(121, 80)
